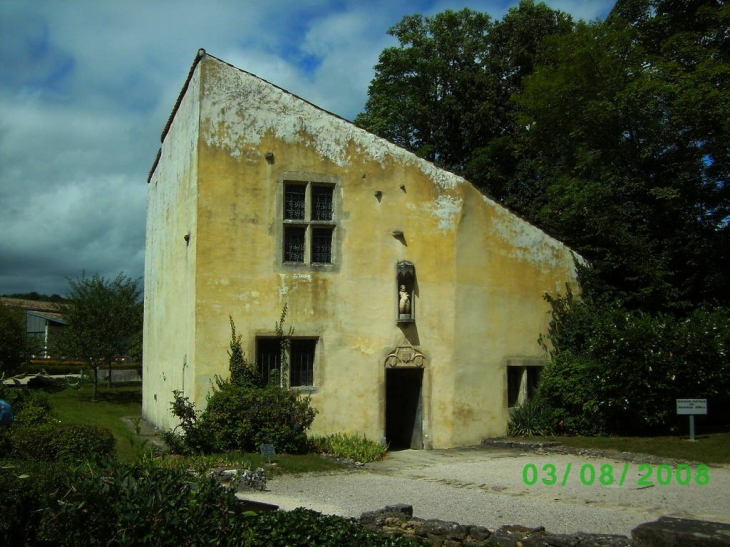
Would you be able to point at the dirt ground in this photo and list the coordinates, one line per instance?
(599, 492)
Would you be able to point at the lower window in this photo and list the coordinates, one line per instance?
(268, 359)
(302, 362)
(521, 384)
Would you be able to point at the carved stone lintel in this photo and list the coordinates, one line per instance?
(405, 356)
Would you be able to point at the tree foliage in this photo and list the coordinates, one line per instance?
(615, 371)
(610, 135)
(13, 343)
(103, 317)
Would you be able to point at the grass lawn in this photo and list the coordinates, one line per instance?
(112, 404)
(125, 400)
(708, 447)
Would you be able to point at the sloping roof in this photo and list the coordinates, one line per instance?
(30, 305)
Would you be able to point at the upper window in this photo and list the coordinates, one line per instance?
(309, 224)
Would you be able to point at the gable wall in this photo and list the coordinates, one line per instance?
(170, 265)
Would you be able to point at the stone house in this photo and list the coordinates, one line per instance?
(416, 300)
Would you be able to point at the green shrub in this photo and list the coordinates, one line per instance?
(244, 418)
(27, 487)
(306, 528)
(354, 447)
(144, 505)
(529, 420)
(614, 371)
(63, 442)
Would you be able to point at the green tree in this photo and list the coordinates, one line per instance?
(625, 155)
(13, 343)
(103, 317)
(444, 91)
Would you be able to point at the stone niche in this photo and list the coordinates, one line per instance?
(405, 285)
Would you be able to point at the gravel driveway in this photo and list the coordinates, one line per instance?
(487, 487)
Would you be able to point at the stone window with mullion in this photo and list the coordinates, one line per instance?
(308, 222)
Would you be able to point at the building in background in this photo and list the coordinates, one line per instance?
(41, 319)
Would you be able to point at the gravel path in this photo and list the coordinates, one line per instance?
(487, 487)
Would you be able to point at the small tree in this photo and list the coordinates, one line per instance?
(13, 343)
(103, 316)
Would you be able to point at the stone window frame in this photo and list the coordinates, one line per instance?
(308, 225)
(273, 347)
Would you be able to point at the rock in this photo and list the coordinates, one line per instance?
(401, 511)
(668, 532)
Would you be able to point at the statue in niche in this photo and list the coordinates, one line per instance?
(404, 302)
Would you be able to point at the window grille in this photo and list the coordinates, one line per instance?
(268, 359)
(295, 199)
(302, 362)
(294, 244)
(322, 202)
(322, 245)
(309, 222)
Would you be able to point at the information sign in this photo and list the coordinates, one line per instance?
(692, 406)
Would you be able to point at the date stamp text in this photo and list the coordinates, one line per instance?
(607, 475)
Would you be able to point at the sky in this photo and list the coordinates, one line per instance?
(86, 88)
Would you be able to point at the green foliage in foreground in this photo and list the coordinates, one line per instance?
(144, 505)
(354, 447)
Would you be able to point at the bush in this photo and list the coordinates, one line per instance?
(63, 443)
(353, 447)
(614, 371)
(305, 528)
(26, 488)
(529, 420)
(144, 505)
(244, 418)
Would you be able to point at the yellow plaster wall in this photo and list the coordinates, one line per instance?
(170, 265)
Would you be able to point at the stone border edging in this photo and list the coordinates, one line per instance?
(398, 521)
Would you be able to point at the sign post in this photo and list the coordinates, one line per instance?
(267, 451)
(691, 407)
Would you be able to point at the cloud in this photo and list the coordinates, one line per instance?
(88, 86)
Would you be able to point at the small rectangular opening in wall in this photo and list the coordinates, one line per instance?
(268, 359)
(322, 245)
(322, 205)
(294, 243)
(521, 383)
(302, 361)
(295, 199)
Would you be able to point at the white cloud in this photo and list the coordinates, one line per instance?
(88, 86)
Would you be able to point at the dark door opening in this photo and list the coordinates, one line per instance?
(404, 408)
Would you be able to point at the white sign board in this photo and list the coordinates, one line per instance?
(692, 406)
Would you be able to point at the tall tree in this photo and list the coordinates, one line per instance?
(103, 317)
(444, 91)
(427, 91)
(626, 154)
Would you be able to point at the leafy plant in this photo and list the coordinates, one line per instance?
(242, 373)
(618, 371)
(63, 442)
(529, 420)
(244, 418)
(354, 447)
